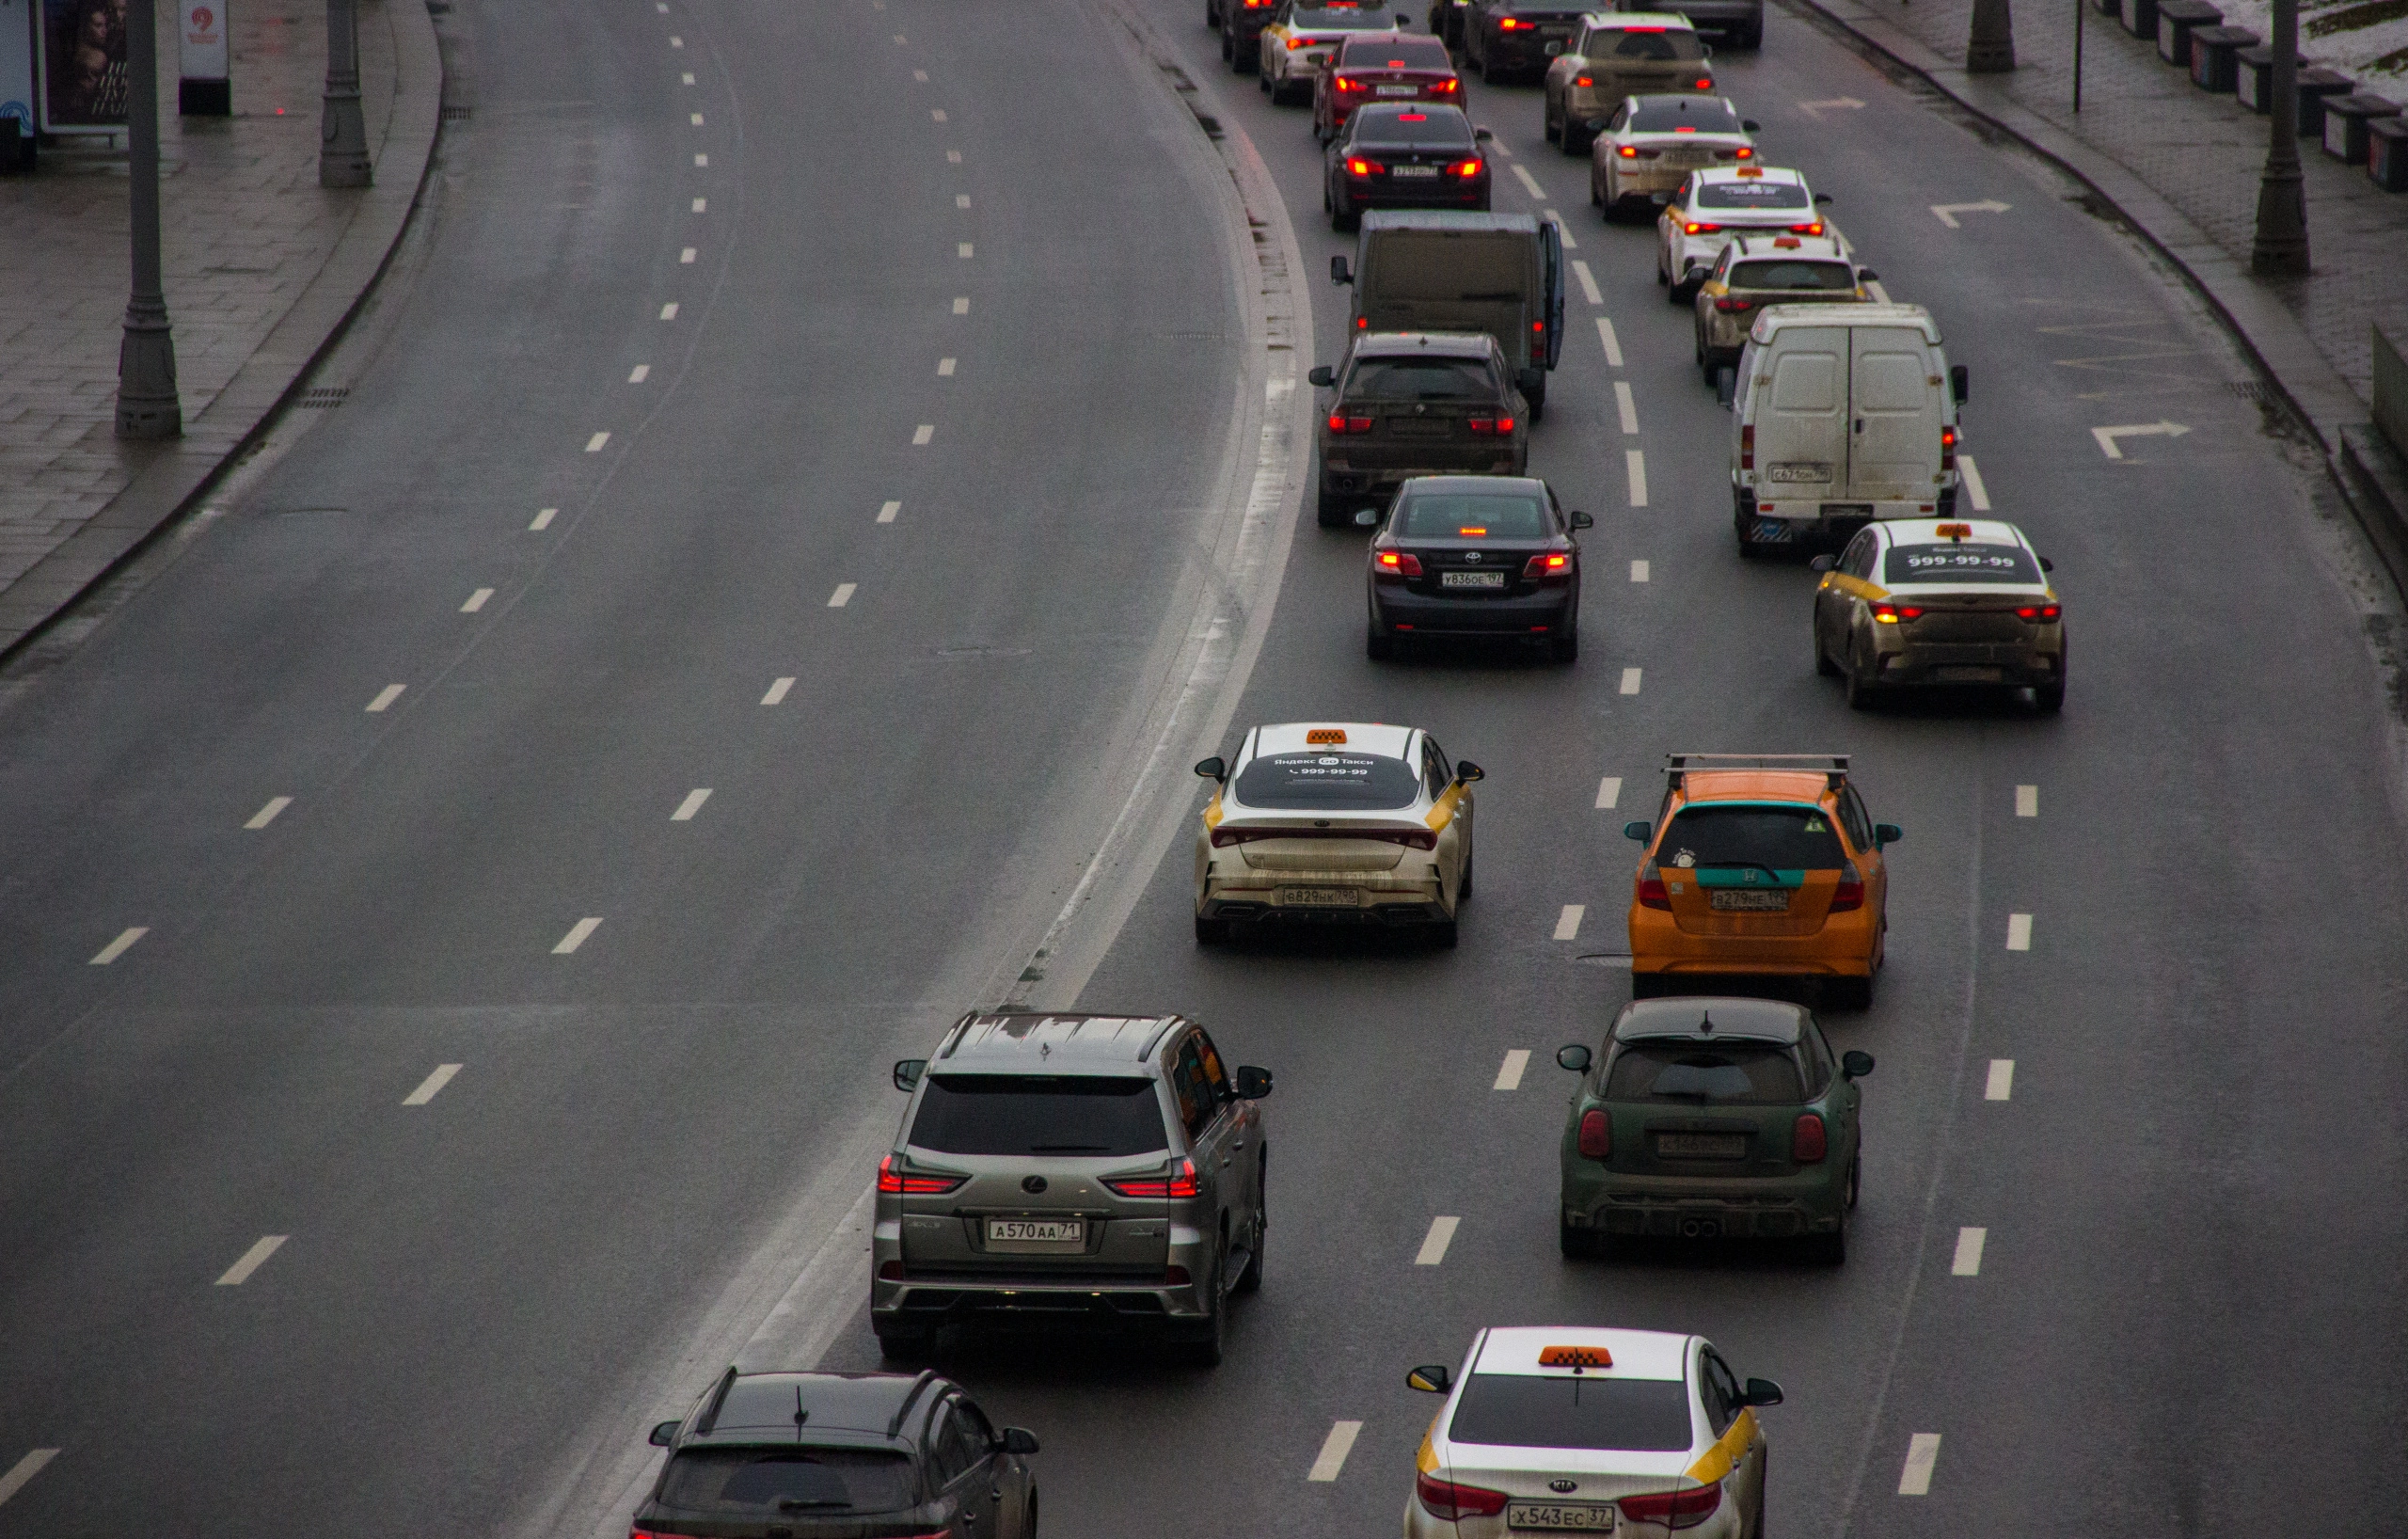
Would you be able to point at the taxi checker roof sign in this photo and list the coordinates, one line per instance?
(1637, 1354)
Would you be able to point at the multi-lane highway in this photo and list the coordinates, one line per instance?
(817, 477)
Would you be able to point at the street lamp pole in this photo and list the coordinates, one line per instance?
(2281, 246)
(147, 406)
(1990, 50)
(342, 135)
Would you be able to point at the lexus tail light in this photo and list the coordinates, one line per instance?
(893, 1179)
(1180, 1183)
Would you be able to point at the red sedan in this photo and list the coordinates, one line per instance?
(1382, 69)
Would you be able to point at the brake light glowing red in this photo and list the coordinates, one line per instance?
(1743, 152)
(1890, 614)
(1948, 449)
(1447, 87)
(1693, 228)
(1547, 563)
(1674, 1509)
(1451, 1503)
(1357, 165)
(1489, 427)
(1628, 153)
(1808, 1142)
(2042, 613)
(1348, 83)
(1705, 84)
(1584, 79)
(1596, 1134)
(1510, 24)
(893, 1177)
(1342, 425)
(1732, 307)
(1180, 1182)
(1850, 892)
(1466, 167)
(1403, 562)
(1815, 229)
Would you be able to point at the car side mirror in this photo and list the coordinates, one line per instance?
(1015, 1440)
(1867, 274)
(1594, 125)
(1322, 376)
(1820, 563)
(1481, 136)
(1466, 771)
(1582, 520)
(2047, 566)
(1339, 272)
(1366, 517)
(1749, 125)
(1961, 382)
(1760, 1393)
(1638, 831)
(908, 1073)
(1661, 199)
(1821, 198)
(1212, 768)
(1253, 1084)
(664, 1434)
(1431, 1378)
(1887, 834)
(1529, 381)
(1575, 1057)
(1855, 1065)
(1706, 50)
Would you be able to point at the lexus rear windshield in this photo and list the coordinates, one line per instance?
(1327, 782)
(1513, 1410)
(1441, 128)
(1752, 194)
(1705, 114)
(747, 1484)
(1726, 837)
(1421, 379)
(1076, 1115)
(1438, 516)
(1955, 562)
(1395, 54)
(1691, 1073)
(1790, 273)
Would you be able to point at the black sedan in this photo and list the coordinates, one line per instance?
(1484, 556)
(1404, 155)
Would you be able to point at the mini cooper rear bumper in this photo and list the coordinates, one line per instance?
(1812, 1202)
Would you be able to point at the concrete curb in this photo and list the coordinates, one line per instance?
(179, 474)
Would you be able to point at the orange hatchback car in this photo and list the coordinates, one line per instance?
(1760, 865)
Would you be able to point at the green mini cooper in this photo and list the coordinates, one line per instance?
(1709, 1118)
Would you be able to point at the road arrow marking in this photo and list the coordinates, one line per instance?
(1948, 212)
(2107, 435)
(1815, 110)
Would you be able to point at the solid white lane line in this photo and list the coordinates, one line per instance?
(252, 1260)
(1529, 182)
(693, 805)
(843, 595)
(1974, 487)
(119, 947)
(2000, 1083)
(887, 511)
(577, 936)
(697, 119)
(1563, 231)
(1969, 1253)
(640, 373)
(386, 696)
(1567, 923)
(1635, 464)
(778, 691)
(1626, 406)
(945, 368)
(1613, 344)
(1608, 792)
(1434, 1245)
(1639, 571)
(1334, 1449)
(922, 434)
(702, 204)
(702, 160)
(669, 312)
(434, 1083)
(1922, 1451)
(544, 517)
(23, 1470)
(1588, 289)
(476, 601)
(687, 256)
(593, 445)
(266, 814)
(1630, 678)
(2027, 801)
(1508, 1075)
(962, 307)
(962, 251)
(2019, 933)
(961, 200)
(936, 112)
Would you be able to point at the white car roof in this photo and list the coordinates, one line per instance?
(1636, 1354)
(1654, 20)
(1747, 173)
(1798, 247)
(1361, 737)
(1927, 530)
(1774, 318)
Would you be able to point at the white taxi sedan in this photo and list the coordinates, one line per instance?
(1334, 822)
(1576, 1430)
(1716, 205)
(1303, 34)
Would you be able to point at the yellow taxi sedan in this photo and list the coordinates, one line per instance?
(1303, 34)
(1581, 1430)
(1939, 601)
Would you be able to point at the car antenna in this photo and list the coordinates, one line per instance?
(801, 1416)
(1705, 1024)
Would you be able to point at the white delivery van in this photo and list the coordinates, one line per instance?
(1840, 417)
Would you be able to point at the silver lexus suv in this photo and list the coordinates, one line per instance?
(1090, 1171)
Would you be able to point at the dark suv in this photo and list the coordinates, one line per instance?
(835, 1456)
(1416, 404)
(1097, 1172)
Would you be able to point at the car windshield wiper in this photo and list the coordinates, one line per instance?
(796, 1504)
(1069, 1149)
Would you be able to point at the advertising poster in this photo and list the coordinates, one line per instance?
(17, 61)
(201, 90)
(83, 66)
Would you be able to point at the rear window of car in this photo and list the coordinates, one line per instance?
(1513, 1410)
(1342, 18)
(1421, 379)
(1448, 515)
(1388, 125)
(1705, 114)
(749, 1483)
(1663, 47)
(1786, 838)
(1790, 273)
(1690, 1074)
(1752, 194)
(1395, 54)
(1076, 1115)
(1960, 563)
(1466, 266)
(1327, 783)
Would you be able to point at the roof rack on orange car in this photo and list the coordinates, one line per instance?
(1832, 767)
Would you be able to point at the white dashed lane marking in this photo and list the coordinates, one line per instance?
(1922, 1451)
(920, 75)
(1567, 923)
(887, 511)
(593, 445)
(936, 112)
(23, 1470)
(1635, 465)
(429, 1086)
(1334, 1449)
(676, 43)
(1630, 678)
(544, 517)
(669, 312)
(1608, 792)
(1969, 1253)
(1529, 182)
(962, 307)
(922, 434)
(1588, 289)
(945, 368)
(843, 595)
(701, 204)
(1612, 344)
(696, 118)
(687, 255)
(961, 200)
(640, 373)
(386, 696)
(953, 156)
(1975, 491)
(476, 601)
(577, 935)
(778, 691)
(120, 947)
(1509, 1074)
(266, 814)
(963, 250)
(1562, 230)
(1639, 571)
(1434, 1245)
(693, 805)
(702, 160)
(2019, 933)
(2000, 1083)
(1626, 406)
(253, 1258)
(2027, 801)
(687, 78)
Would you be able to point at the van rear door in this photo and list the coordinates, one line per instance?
(1895, 438)
(1802, 421)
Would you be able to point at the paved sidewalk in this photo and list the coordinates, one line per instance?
(262, 267)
